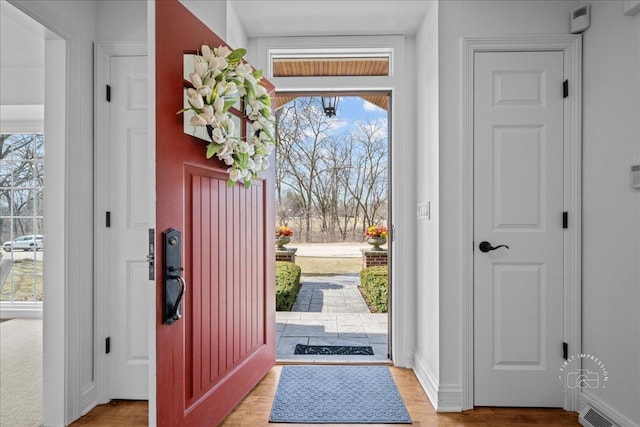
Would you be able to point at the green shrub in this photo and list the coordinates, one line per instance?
(287, 284)
(375, 283)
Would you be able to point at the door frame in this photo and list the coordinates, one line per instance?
(402, 311)
(103, 53)
(571, 46)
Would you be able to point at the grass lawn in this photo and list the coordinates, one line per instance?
(23, 281)
(318, 266)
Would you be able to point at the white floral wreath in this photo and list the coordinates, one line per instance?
(222, 79)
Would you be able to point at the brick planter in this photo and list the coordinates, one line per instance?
(286, 254)
(371, 258)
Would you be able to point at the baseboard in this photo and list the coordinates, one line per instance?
(20, 310)
(605, 409)
(443, 397)
(88, 399)
(426, 379)
(450, 398)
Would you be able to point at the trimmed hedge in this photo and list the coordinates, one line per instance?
(287, 284)
(375, 283)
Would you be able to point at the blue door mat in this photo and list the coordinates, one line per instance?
(338, 394)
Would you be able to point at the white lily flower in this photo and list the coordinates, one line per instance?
(243, 69)
(258, 163)
(216, 63)
(206, 51)
(196, 102)
(222, 51)
(200, 66)
(195, 79)
(260, 90)
(257, 125)
(218, 104)
(217, 135)
(197, 120)
(229, 125)
(205, 91)
(192, 93)
(207, 110)
(210, 81)
(234, 174)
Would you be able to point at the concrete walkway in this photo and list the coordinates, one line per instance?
(329, 310)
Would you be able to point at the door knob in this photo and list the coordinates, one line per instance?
(486, 247)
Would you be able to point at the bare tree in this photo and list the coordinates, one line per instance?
(302, 133)
(340, 178)
(373, 162)
(21, 182)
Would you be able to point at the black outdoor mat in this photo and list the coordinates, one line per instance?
(334, 350)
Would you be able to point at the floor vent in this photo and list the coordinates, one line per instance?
(592, 418)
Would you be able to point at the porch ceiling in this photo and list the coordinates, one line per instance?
(314, 67)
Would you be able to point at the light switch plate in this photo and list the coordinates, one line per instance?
(635, 176)
(424, 210)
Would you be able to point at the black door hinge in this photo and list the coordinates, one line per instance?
(565, 89)
(108, 93)
(107, 345)
(565, 350)
(108, 219)
(565, 219)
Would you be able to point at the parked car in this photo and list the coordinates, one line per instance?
(25, 243)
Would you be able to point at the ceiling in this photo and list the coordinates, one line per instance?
(277, 18)
(337, 66)
(332, 66)
(260, 18)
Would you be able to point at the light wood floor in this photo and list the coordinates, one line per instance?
(254, 410)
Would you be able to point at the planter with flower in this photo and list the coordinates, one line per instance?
(283, 236)
(376, 236)
(222, 81)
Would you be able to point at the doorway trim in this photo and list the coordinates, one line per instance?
(67, 392)
(571, 46)
(402, 189)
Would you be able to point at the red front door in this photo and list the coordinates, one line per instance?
(224, 343)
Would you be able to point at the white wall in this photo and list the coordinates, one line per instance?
(427, 358)
(222, 18)
(611, 209)
(458, 19)
(114, 22)
(236, 35)
(211, 13)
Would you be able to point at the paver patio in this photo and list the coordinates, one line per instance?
(329, 310)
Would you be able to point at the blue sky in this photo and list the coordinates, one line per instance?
(354, 108)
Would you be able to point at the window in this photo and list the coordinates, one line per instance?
(21, 216)
(330, 66)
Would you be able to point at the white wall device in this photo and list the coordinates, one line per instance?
(635, 176)
(580, 18)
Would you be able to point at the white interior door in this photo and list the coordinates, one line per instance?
(518, 202)
(131, 210)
